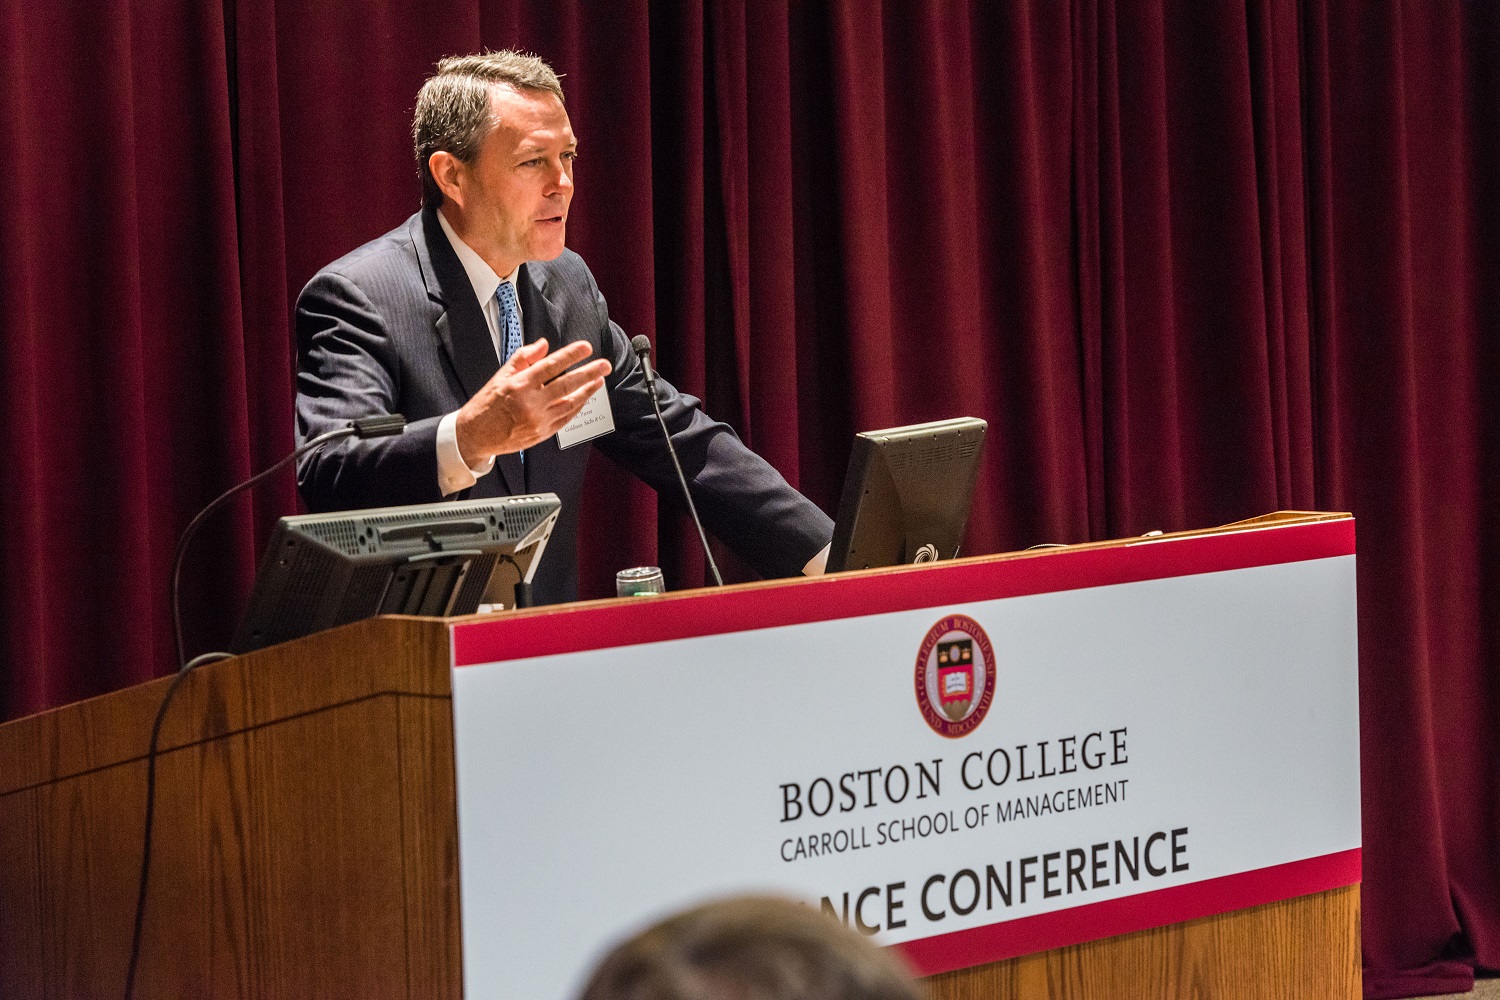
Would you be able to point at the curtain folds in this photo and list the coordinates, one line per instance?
(1192, 262)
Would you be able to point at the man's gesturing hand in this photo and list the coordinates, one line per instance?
(528, 400)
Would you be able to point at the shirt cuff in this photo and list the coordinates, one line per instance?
(818, 563)
(453, 474)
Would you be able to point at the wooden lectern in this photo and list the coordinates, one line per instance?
(306, 845)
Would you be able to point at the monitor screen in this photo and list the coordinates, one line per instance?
(322, 570)
(907, 494)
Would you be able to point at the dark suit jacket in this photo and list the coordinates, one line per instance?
(394, 327)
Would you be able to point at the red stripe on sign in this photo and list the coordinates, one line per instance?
(572, 629)
(1113, 917)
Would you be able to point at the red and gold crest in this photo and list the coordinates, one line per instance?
(955, 676)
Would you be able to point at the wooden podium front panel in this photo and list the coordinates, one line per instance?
(304, 836)
(1298, 949)
(289, 887)
(22, 970)
(430, 841)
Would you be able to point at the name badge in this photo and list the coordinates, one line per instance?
(596, 419)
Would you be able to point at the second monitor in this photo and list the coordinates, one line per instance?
(907, 494)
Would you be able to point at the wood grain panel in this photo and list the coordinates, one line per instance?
(1297, 949)
(329, 895)
(429, 830)
(278, 867)
(390, 655)
(89, 861)
(20, 897)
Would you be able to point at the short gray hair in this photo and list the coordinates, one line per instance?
(453, 106)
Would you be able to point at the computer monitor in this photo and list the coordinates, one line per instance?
(907, 494)
(322, 570)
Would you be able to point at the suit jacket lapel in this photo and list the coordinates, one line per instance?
(461, 327)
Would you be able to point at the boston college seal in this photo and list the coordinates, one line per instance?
(955, 676)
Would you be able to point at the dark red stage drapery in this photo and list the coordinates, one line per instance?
(1193, 262)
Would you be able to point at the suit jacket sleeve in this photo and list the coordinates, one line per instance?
(742, 499)
(349, 368)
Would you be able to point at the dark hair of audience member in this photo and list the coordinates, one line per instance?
(750, 948)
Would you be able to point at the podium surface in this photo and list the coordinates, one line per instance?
(307, 838)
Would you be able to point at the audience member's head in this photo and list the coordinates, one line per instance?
(750, 948)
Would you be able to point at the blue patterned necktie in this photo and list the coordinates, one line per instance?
(510, 319)
(510, 326)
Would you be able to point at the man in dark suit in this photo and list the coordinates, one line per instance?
(474, 321)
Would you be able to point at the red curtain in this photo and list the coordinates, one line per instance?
(1193, 262)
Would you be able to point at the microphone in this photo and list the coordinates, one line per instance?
(382, 425)
(642, 348)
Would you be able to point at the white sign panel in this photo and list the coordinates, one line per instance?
(968, 780)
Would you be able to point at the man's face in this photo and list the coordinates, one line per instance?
(511, 203)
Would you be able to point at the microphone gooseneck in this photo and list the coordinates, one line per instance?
(365, 427)
(642, 348)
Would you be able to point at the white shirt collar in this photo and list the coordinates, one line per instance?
(481, 275)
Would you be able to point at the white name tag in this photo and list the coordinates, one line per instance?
(596, 419)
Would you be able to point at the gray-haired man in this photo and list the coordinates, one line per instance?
(474, 321)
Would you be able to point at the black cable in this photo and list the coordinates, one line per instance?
(140, 898)
(692, 508)
(192, 528)
(522, 595)
(366, 427)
